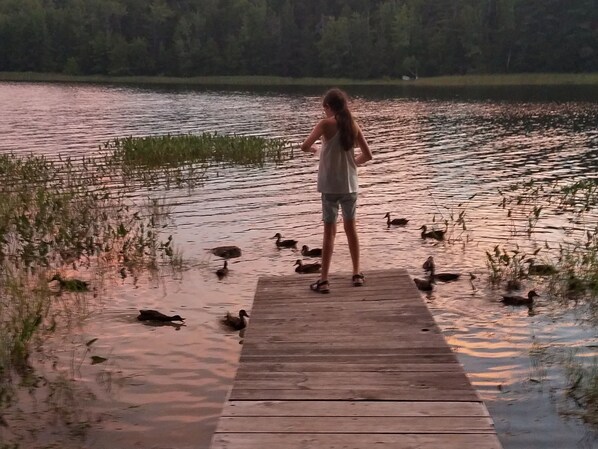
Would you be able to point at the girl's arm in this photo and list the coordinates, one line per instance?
(366, 154)
(315, 134)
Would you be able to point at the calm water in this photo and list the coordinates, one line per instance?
(163, 387)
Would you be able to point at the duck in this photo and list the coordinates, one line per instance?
(227, 252)
(314, 252)
(154, 315)
(425, 285)
(395, 221)
(308, 267)
(73, 285)
(236, 322)
(222, 272)
(433, 234)
(516, 300)
(430, 266)
(284, 243)
(540, 269)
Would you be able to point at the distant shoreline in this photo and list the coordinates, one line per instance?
(524, 79)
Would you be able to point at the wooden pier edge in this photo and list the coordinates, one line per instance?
(361, 367)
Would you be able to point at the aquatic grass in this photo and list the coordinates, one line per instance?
(454, 220)
(582, 386)
(184, 159)
(507, 265)
(59, 216)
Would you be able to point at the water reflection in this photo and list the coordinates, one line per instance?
(434, 149)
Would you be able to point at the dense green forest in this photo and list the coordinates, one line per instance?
(334, 38)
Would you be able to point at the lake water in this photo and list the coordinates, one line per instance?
(163, 387)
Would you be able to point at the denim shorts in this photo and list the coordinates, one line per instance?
(330, 203)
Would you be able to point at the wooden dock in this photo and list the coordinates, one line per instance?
(359, 368)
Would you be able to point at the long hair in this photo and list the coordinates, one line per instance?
(337, 101)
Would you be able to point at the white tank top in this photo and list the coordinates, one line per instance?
(337, 172)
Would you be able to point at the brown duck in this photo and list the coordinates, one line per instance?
(307, 267)
(433, 234)
(425, 285)
(154, 315)
(236, 322)
(314, 252)
(516, 300)
(284, 243)
(222, 272)
(430, 266)
(395, 221)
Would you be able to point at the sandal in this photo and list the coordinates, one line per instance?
(320, 286)
(358, 280)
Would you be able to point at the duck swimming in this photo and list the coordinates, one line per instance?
(516, 300)
(433, 234)
(307, 267)
(430, 266)
(395, 221)
(222, 272)
(315, 252)
(236, 322)
(154, 315)
(540, 269)
(73, 285)
(425, 285)
(284, 243)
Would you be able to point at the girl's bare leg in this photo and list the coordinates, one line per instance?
(353, 241)
(327, 248)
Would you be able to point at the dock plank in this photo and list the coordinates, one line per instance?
(358, 368)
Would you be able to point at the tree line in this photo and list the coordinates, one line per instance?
(334, 38)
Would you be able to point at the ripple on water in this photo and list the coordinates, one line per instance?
(164, 387)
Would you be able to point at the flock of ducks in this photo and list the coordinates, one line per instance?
(427, 284)
(435, 234)
(239, 322)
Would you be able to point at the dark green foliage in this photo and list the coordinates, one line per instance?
(351, 39)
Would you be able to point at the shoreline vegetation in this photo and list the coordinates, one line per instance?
(521, 79)
(66, 227)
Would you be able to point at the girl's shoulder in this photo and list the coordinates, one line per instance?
(329, 127)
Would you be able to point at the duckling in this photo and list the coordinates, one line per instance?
(314, 252)
(516, 300)
(540, 269)
(425, 285)
(284, 243)
(236, 322)
(154, 315)
(308, 267)
(73, 285)
(395, 221)
(222, 272)
(433, 234)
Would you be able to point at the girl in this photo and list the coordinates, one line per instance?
(337, 178)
